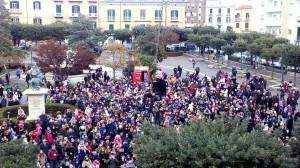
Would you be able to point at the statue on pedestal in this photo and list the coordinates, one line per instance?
(36, 77)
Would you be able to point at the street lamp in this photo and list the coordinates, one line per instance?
(159, 27)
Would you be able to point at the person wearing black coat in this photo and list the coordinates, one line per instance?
(159, 89)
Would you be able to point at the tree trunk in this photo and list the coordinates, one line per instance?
(199, 51)
(272, 69)
(295, 72)
(241, 60)
(208, 53)
(282, 80)
(251, 57)
(228, 60)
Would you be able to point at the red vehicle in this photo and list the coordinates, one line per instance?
(140, 74)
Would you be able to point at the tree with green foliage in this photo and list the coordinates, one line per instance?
(123, 35)
(254, 49)
(251, 36)
(218, 143)
(273, 53)
(290, 56)
(294, 142)
(146, 45)
(15, 154)
(59, 30)
(142, 30)
(8, 52)
(201, 41)
(240, 46)
(228, 50)
(202, 30)
(217, 44)
(82, 32)
(182, 32)
(229, 36)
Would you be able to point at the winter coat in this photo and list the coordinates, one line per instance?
(53, 154)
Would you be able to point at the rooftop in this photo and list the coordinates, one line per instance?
(244, 7)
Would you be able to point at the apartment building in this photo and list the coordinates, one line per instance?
(219, 14)
(195, 13)
(278, 17)
(107, 14)
(118, 14)
(30, 11)
(243, 19)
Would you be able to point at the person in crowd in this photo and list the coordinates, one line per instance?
(109, 114)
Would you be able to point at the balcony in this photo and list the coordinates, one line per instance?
(58, 0)
(247, 20)
(298, 19)
(273, 9)
(219, 24)
(75, 0)
(75, 15)
(142, 18)
(228, 14)
(174, 19)
(273, 23)
(58, 15)
(127, 19)
(298, 38)
(111, 18)
(17, 11)
(246, 29)
(237, 19)
(157, 19)
(219, 14)
(93, 15)
(92, 1)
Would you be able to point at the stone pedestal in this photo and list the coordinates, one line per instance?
(36, 102)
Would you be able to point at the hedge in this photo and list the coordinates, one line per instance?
(174, 54)
(50, 109)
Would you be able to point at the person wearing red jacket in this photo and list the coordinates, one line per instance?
(53, 156)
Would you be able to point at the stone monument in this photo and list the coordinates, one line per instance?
(35, 94)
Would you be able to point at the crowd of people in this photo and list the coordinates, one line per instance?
(100, 132)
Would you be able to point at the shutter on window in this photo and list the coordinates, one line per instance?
(78, 9)
(10, 5)
(95, 9)
(130, 13)
(90, 9)
(73, 9)
(40, 21)
(40, 5)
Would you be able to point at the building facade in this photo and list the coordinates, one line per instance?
(117, 14)
(109, 15)
(219, 14)
(195, 13)
(278, 17)
(243, 19)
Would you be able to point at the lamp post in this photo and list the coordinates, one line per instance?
(159, 27)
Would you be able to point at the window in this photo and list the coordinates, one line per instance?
(143, 14)
(290, 31)
(14, 5)
(210, 11)
(127, 14)
(274, 17)
(220, 10)
(210, 20)
(246, 25)
(237, 15)
(219, 28)
(110, 14)
(279, 31)
(75, 10)
(174, 14)
(158, 15)
(111, 27)
(228, 20)
(94, 24)
(219, 19)
(14, 20)
(37, 21)
(298, 32)
(237, 25)
(228, 10)
(275, 3)
(93, 9)
(262, 17)
(58, 10)
(36, 5)
(274, 31)
(127, 26)
(247, 16)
